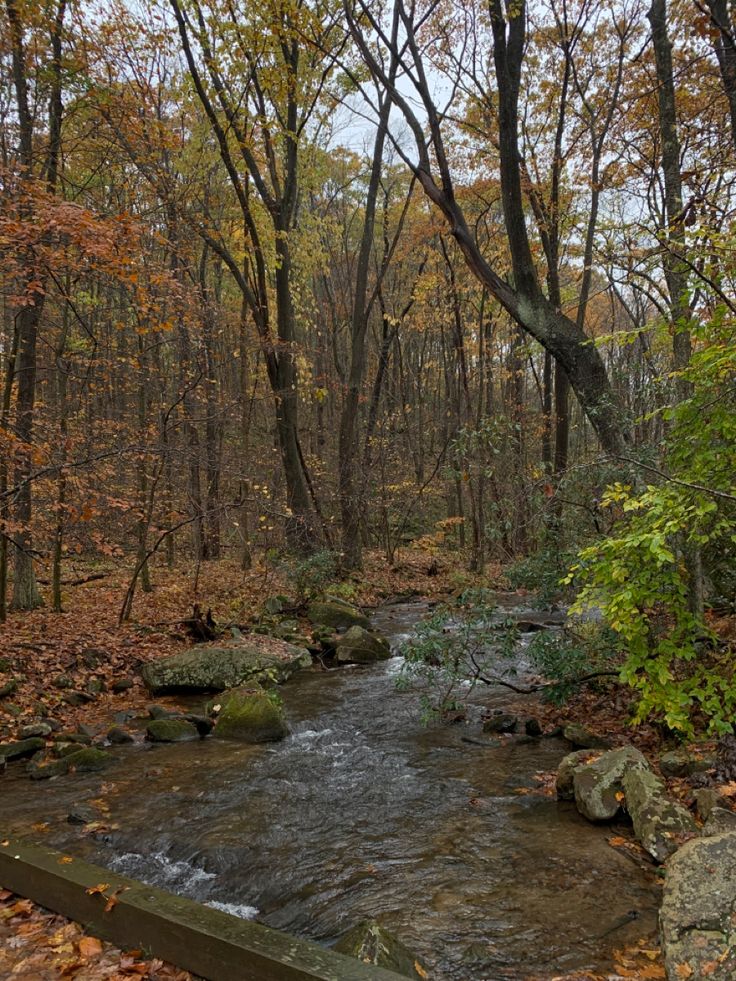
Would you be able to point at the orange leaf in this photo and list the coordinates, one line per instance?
(90, 947)
(420, 970)
(99, 888)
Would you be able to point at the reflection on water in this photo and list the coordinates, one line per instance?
(362, 812)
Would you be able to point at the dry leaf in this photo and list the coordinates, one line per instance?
(420, 970)
(99, 888)
(90, 947)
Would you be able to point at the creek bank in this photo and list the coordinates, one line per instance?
(604, 785)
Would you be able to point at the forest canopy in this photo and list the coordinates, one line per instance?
(321, 276)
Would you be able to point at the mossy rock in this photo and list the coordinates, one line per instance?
(336, 613)
(228, 664)
(20, 749)
(372, 944)
(45, 769)
(599, 785)
(565, 783)
(360, 646)
(9, 688)
(88, 760)
(250, 716)
(171, 731)
(658, 821)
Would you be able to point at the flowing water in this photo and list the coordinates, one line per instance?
(363, 812)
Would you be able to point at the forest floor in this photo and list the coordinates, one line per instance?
(87, 643)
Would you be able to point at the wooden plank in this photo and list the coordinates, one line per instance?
(197, 938)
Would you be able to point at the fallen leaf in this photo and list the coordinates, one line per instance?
(420, 970)
(90, 947)
(99, 888)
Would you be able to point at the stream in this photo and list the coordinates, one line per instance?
(364, 812)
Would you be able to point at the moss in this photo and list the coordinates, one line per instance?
(170, 731)
(250, 716)
(88, 760)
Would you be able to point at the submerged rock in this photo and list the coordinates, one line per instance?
(334, 612)
(657, 820)
(119, 736)
(45, 769)
(697, 914)
(251, 716)
(501, 722)
(598, 786)
(171, 731)
(359, 646)
(372, 944)
(88, 760)
(216, 667)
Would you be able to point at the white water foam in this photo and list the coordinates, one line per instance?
(234, 909)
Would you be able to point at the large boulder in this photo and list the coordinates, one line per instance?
(699, 910)
(565, 783)
(598, 786)
(333, 612)
(250, 715)
(657, 820)
(359, 646)
(221, 665)
(370, 943)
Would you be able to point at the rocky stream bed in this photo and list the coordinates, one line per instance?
(363, 813)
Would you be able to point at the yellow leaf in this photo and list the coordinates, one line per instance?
(66, 860)
(99, 888)
(420, 970)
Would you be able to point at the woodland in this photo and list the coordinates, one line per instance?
(373, 297)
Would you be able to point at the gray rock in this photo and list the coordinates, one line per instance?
(585, 738)
(118, 736)
(336, 613)
(682, 763)
(161, 712)
(36, 729)
(719, 821)
(216, 667)
(82, 814)
(73, 737)
(360, 646)
(121, 684)
(657, 820)
(697, 912)
(566, 771)
(705, 800)
(201, 723)
(372, 944)
(502, 722)
(20, 749)
(598, 786)
(533, 728)
(170, 731)
(251, 716)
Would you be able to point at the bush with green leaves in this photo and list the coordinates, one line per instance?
(452, 651)
(641, 576)
(585, 649)
(314, 574)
